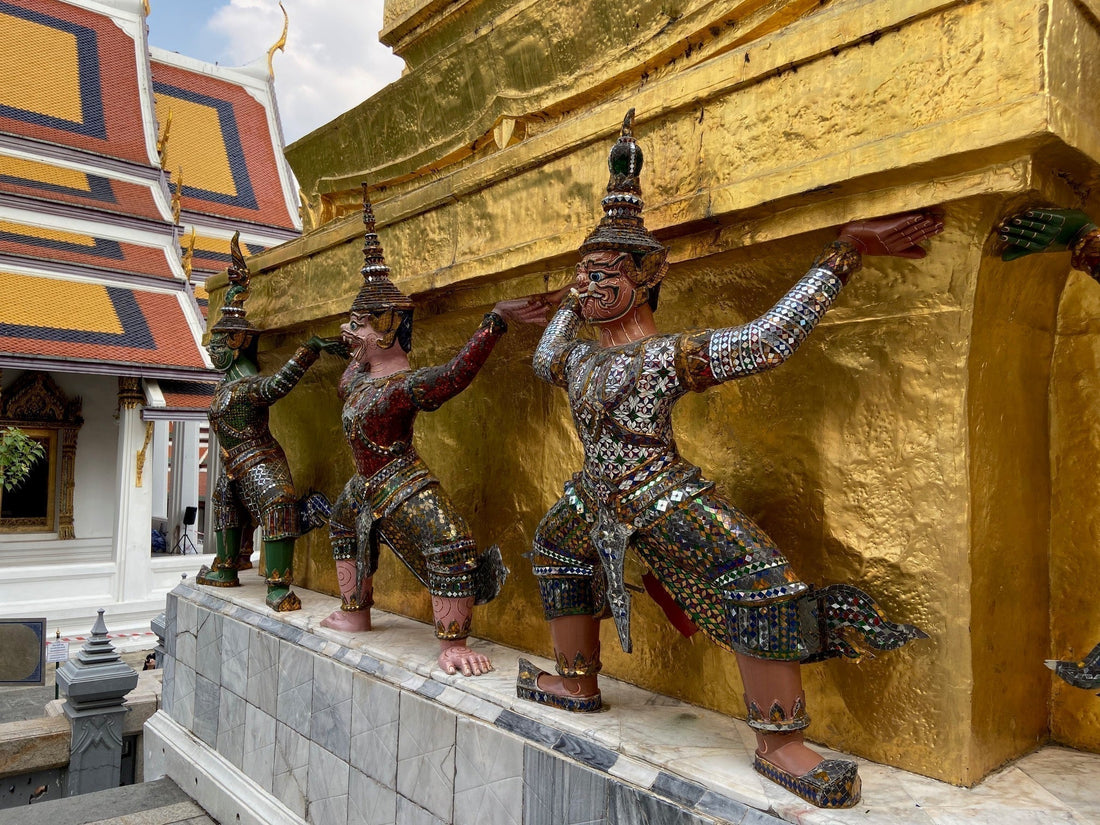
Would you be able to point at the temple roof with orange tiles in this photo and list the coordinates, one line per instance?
(122, 178)
(222, 144)
(175, 400)
(98, 327)
(76, 78)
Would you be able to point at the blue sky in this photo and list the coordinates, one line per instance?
(333, 60)
(179, 26)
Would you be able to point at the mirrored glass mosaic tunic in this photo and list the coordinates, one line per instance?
(636, 490)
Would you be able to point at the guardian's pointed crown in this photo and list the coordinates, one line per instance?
(622, 228)
(377, 292)
(233, 312)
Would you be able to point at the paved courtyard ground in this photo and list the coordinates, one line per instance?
(20, 703)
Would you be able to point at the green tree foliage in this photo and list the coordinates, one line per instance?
(18, 454)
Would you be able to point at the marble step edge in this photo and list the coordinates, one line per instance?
(560, 732)
(220, 787)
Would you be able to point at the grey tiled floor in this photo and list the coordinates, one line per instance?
(151, 803)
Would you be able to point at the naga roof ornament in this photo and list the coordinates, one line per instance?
(279, 45)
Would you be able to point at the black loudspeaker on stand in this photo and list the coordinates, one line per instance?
(185, 545)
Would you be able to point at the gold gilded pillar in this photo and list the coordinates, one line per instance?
(1075, 504)
(65, 516)
(934, 440)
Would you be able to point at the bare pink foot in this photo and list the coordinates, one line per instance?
(350, 621)
(790, 754)
(457, 657)
(584, 688)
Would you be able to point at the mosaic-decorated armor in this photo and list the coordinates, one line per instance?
(395, 492)
(394, 498)
(636, 489)
(255, 477)
(1084, 674)
(254, 484)
(708, 566)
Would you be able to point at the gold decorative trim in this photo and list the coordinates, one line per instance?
(280, 44)
(139, 469)
(130, 396)
(27, 524)
(162, 139)
(288, 603)
(35, 398)
(189, 250)
(65, 517)
(280, 579)
(177, 198)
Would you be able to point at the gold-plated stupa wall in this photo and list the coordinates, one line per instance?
(933, 442)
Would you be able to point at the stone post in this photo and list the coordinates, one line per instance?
(159, 626)
(159, 475)
(95, 683)
(213, 467)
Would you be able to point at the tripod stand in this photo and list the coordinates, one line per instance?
(184, 544)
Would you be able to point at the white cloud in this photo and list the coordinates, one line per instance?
(332, 62)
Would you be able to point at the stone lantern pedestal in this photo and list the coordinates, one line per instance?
(95, 683)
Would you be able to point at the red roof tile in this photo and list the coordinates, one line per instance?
(187, 395)
(69, 76)
(78, 320)
(49, 182)
(39, 243)
(224, 146)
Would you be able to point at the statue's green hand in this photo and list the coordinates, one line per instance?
(334, 345)
(1041, 230)
(338, 348)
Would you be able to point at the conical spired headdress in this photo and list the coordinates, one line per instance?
(622, 228)
(233, 312)
(378, 291)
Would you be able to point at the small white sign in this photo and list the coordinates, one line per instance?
(57, 651)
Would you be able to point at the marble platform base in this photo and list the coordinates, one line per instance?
(274, 719)
(214, 782)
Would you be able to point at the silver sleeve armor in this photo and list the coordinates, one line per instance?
(553, 350)
(772, 338)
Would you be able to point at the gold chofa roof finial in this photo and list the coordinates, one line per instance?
(162, 141)
(145, 6)
(188, 254)
(280, 44)
(177, 198)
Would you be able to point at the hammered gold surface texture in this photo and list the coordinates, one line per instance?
(933, 442)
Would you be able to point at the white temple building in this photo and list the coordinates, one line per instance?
(124, 171)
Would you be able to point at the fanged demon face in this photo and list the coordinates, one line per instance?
(224, 347)
(372, 329)
(607, 285)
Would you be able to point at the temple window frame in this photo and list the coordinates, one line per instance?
(50, 437)
(35, 404)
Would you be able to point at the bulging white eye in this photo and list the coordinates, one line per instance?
(354, 325)
(596, 276)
